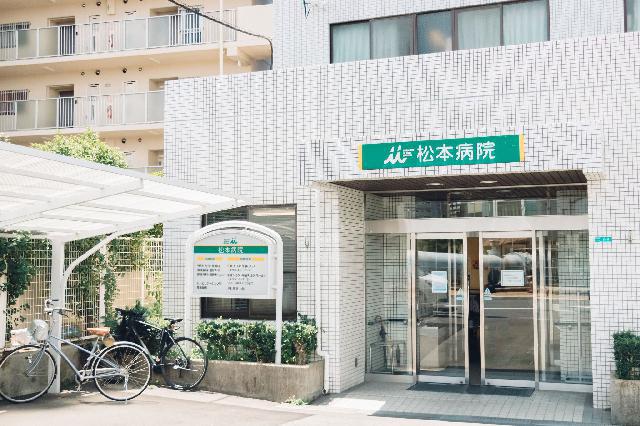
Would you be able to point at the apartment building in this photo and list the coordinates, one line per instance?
(69, 65)
(458, 181)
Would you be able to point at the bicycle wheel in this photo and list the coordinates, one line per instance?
(26, 373)
(122, 372)
(184, 364)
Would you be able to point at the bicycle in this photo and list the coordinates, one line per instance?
(182, 361)
(120, 371)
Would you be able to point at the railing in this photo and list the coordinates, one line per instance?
(90, 111)
(99, 37)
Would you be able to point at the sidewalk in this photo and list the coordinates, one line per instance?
(370, 404)
(160, 406)
(541, 407)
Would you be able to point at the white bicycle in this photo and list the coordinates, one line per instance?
(121, 371)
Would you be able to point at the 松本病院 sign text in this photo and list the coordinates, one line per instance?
(443, 152)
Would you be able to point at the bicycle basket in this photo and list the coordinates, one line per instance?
(39, 330)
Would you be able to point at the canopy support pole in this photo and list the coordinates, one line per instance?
(59, 278)
(58, 284)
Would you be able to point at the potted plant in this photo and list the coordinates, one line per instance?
(625, 382)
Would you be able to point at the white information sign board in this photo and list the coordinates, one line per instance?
(232, 264)
(512, 278)
(235, 259)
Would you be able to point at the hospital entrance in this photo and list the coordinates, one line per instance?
(478, 280)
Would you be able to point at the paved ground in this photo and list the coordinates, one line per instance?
(158, 406)
(541, 408)
(369, 404)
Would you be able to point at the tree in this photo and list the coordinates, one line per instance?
(86, 146)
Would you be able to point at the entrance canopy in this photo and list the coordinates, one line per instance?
(63, 199)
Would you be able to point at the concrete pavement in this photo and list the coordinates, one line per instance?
(159, 406)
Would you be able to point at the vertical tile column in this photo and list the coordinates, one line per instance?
(342, 282)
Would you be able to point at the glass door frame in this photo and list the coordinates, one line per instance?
(412, 300)
(530, 234)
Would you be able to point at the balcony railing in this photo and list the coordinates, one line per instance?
(90, 111)
(157, 31)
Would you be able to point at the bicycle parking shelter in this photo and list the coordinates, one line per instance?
(63, 199)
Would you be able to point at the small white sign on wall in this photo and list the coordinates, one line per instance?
(512, 278)
(439, 282)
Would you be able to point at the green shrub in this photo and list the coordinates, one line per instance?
(254, 341)
(626, 351)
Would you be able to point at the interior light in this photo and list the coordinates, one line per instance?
(488, 181)
(434, 184)
(273, 212)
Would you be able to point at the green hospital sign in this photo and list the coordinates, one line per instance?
(443, 152)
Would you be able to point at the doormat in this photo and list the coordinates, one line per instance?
(473, 390)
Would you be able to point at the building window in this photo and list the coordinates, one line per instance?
(434, 32)
(8, 98)
(392, 37)
(281, 219)
(632, 21)
(350, 42)
(8, 33)
(478, 28)
(465, 28)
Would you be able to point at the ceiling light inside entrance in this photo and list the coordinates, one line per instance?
(487, 182)
(434, 184)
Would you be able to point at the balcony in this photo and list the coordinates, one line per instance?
(185, 29)
(34, 116)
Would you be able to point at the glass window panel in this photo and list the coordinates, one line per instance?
(526, 22)
(633, 15)
(565, 323)
(478, 28)
(508, 308)
(350, 42)
(388, 329)
(392, 37)
(434, 32)
(440, 307)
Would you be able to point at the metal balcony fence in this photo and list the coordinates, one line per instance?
(183, 29)
(89, 111)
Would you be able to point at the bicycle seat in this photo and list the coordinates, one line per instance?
(99, 331)
(173, 320)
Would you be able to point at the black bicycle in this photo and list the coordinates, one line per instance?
(181, 360)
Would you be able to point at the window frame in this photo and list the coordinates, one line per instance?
(454, 27)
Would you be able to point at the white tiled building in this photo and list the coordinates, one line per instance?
(369, 242)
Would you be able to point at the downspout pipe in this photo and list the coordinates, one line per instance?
(317, 284)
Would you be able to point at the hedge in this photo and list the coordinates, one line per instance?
(626, 351)
(255, 341)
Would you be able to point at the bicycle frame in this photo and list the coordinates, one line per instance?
(166, 340)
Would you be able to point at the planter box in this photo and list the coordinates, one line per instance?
(272, 382)
(625, 401)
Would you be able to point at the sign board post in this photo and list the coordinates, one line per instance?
(235, 259)
(3, 314)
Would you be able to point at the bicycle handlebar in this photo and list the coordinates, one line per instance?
(49, 308)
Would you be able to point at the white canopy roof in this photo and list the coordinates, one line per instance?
(66, 199)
